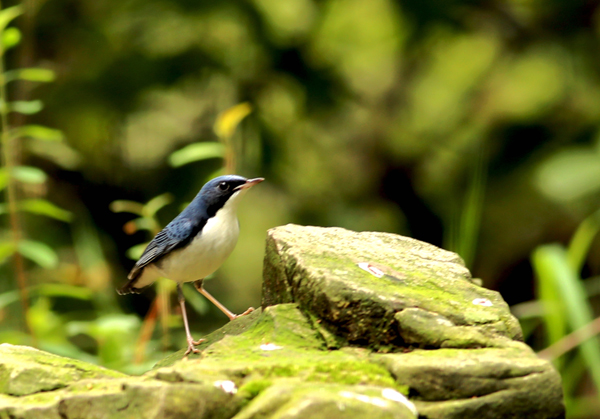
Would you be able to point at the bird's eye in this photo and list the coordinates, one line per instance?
(223, 186)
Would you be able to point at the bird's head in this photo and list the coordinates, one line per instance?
(223, 190)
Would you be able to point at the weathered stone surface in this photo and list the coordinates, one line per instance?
(293, 400)
(123, 399)
(332, 341)
(318, 268)
(511, 382)
(26, 370)
(425, 329)
(278, 343)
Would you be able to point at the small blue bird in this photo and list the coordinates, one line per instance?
(194, 244)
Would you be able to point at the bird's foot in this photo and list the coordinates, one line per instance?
(192, 346)
(235, 316)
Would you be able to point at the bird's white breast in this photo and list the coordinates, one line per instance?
(208, 250)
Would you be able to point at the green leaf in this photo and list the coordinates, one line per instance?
(58, 152)
(136, 251)
(26, 107)
(549, 296)
(570, 174)
(229, 119)
(10, 38)
(123, 205)
(39, 252)
(25, 174)
(65, 290)
(195, 152)
(3, 178)
(30, 74)
(9, 14)
(9, 298)
(29, 174)
(582, 240)
(43, 207)
(6, 251)
(156, 203)
(38, 132)
(554, 263)
(470, 219)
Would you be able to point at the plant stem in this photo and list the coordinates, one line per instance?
(9, 158)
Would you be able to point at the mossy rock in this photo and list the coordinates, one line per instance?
(320, 269)
(351, 325)
(25, 370)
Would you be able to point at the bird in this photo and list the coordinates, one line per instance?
(194, 245)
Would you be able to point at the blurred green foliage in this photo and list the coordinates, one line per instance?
(472, 125)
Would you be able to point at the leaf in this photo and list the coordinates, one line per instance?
(38, 132)
(195, 152)
(26, 107)
(39, 252)
(122, 205)
(549, 296)
(3, 178)
(43, 75)
(8, 298)
(65, 290)
(570, 175)
(156, 203)
(582, 240)
(56, 151)
(25, 174)
(577, 310)
(9, 14)
(229, 119)
(136, 251)
(6, 251)
(29, 174)
(43, 207)
(10, 38)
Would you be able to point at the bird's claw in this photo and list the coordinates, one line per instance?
(250, 310)
(191, 348)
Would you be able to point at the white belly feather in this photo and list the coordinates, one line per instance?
(204, 255)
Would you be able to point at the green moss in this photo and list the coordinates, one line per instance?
(351, 372)
(254, 387)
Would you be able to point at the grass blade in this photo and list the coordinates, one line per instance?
(551, 262)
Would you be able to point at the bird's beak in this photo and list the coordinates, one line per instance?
(249, 183)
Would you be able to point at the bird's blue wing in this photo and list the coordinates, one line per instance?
(177, 234)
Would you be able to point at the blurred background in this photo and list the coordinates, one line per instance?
(472, 125)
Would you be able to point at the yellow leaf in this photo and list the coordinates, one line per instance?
(229, 119)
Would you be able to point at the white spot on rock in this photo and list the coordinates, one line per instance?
(443, 321)
(366, 266)
(391, 394)
(364, 398)
(482, 302)
(270, 347)
(227, 386)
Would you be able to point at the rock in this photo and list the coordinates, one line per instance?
(300, 400)
(351, 324)
(478, 383)
(26, 371)
(319, 268)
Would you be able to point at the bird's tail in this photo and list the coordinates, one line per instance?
(129, 287)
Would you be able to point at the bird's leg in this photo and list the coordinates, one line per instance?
(200, 287)
(190, 340)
